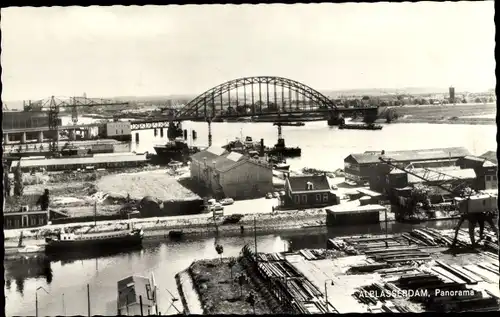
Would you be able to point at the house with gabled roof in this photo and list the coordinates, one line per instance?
(308, 191)
(231, 174)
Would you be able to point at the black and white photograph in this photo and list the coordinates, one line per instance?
(220, 159)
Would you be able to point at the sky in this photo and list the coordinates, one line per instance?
(159, 51)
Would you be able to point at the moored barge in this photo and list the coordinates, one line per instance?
(70, 242)
(370, 126)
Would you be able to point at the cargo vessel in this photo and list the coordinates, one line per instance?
(71, 242)
(176, 150)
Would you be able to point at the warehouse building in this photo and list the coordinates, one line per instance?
(231, 174)
(485, 170)
(82, 163)
(360, 167)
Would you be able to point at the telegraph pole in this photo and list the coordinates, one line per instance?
(88, 299)
(255, 236)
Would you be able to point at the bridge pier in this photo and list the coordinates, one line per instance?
(335, 118)
(23, 137)
(6, 139)
(161, 132)
(209, 132)
(40, 137)
(72, 135)
(155, 132)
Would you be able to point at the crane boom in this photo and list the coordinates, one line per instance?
(440, 178)
(53, 105)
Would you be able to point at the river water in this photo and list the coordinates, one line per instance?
(323, 147)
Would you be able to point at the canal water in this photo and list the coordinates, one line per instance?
(323, 147)
(66, 281)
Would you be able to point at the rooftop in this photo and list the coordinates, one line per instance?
(410, 155)
(299, 183)
(490, 156)
(83, 160)
(130, 290)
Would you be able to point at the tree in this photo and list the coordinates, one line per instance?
(241, 281)
(251, 300)
(391, 115)
(220, 249)
(231, 264)
(18, 181)
(6, 182)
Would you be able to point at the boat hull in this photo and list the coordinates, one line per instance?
(91, 245)
(360, 127)
(286, 152)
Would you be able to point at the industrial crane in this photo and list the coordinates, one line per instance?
(457, 188)
(53, 106)
(438, 179)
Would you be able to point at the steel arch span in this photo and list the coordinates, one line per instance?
(261, 95)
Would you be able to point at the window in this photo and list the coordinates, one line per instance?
(318, 198)
(297, 199)
(325, 198)
(487, 177)
(494, 178)
(304, 199)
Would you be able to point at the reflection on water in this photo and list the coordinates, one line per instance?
(71, 276)
(27, 267)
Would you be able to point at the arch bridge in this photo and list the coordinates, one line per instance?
(277, 98)
(256, 96)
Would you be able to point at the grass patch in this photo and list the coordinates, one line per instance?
(219, 294)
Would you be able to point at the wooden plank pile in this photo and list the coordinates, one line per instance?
(297, 288)
(270, 257)
(451, 278)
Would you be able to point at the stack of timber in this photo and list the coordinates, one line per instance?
(376, 293)
(270, 257)
(290, 284)
(453, 278)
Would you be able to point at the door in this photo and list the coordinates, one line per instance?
(25, 221)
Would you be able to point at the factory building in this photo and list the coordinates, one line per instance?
(361, 167)
(118, 130)
(24, 119)
(231, 174)
(308, 192)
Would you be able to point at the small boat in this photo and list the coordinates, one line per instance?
(64, 242)
(370, 126)
(290, 124)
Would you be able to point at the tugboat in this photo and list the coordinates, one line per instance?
(280, 149)
(67, 242)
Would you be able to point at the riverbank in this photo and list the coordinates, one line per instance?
(446, 114)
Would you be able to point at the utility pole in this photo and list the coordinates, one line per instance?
(95, 213)
(64, 307)
(88, 299)
(255, 237)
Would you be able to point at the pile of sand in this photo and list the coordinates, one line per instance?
(139, 185)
